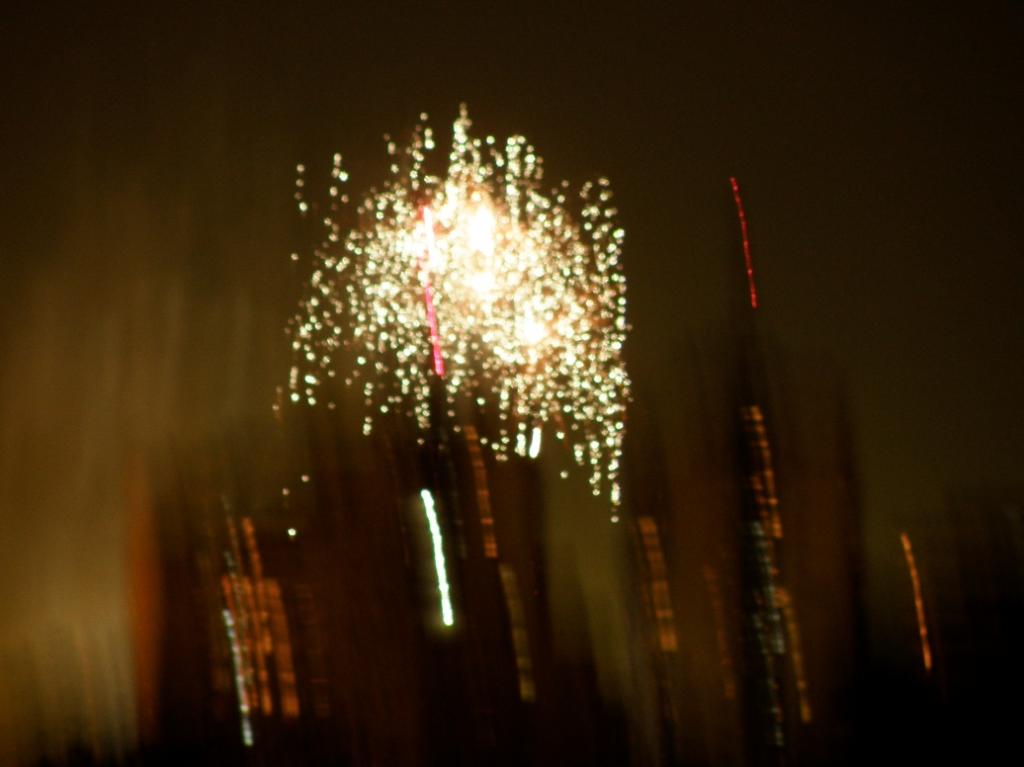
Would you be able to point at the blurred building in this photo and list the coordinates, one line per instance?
(301, 610)
(749, 527)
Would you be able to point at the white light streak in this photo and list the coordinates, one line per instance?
(236, 661)
(535, 442)
(447, 615)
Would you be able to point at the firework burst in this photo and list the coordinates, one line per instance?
(508, 296)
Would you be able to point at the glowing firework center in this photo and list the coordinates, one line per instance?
(482, 267)
(484, 283)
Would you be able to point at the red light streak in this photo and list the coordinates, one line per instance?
(428, 292)
(746, 241)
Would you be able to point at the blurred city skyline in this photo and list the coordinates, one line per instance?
(149, 170)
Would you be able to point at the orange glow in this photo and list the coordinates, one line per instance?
(483, 496)
(282, 651)
(146, 586)
(257, 631)
(922, 625)
(718, 611)
(258, 616)
(763, 478)
(660, 596)
(520, 638)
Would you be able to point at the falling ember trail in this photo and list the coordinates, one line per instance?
(922, 626)
(748, 261)
(428, 292)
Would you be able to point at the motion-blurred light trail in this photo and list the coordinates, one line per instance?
(747, 260)
(237, 664)
(483, 495)
(447, 615)
(520, 637)
(658, 585)
(796, 653)
(535, 440)
(922, 623)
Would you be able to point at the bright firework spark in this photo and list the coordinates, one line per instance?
(481, 281)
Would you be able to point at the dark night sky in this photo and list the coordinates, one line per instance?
(147, 218)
